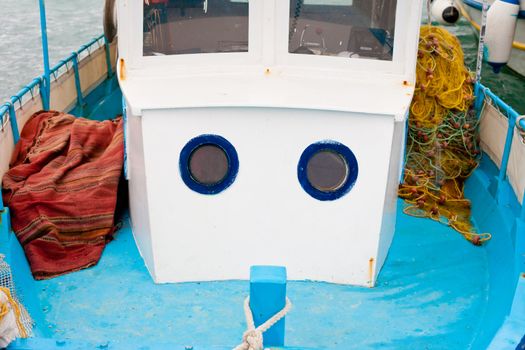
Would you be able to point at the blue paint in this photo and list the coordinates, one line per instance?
(108, 58)
(479, 6)
(22, 278)
(1, 199)
(510, 333)
(233, 164)
(522, 213)
(105, 102)
(474, 4)
(491, 216)
(268, 297)
(5, 224)
(452, 295)
(46, 82)
(518, 233)
(98, 105)
(424, 276)
(497, 66)
(435, 290)
(14, 123)
(521, 345)
(80, 97)
(335, 147)
(512, 116)
(513, 2)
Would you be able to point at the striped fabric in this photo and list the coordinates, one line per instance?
(61, 189)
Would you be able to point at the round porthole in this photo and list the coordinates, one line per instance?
(327, 170)
(208, 164)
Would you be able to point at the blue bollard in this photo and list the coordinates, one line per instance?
(267, 297)
(5, 226)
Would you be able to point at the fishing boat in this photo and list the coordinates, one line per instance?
(472, 10)
(263, 144)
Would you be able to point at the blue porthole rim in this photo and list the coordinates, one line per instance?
(336, 147)
(229, 151)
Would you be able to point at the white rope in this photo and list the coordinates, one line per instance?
(8, 327)
(252, 339)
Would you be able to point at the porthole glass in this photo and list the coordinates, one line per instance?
(327, 170)
(208, 164)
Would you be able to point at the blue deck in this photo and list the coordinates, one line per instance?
(432, 290)
(436, 291)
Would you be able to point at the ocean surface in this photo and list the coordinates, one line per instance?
(72, 23)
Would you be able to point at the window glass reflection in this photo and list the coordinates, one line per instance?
(173, 27)
(344, 28)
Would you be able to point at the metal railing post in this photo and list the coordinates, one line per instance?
(46, 91)
(14, 123)
(108, 57)
(78, 86)
(512, 116)
(506, 151)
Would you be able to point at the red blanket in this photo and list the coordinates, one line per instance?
(62, 190)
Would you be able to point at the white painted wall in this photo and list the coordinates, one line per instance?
(265, 217)
(270, 105)
(138, 191)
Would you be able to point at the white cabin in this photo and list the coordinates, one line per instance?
(266, 132)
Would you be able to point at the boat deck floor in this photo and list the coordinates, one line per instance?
(431, 294)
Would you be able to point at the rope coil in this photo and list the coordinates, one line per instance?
(252, 339)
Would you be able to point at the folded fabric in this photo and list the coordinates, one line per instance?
(61, 189)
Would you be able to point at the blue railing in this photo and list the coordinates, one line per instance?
(482, 92)
(71, 61)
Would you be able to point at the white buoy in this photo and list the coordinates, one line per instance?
(444, 11)
(502, 18)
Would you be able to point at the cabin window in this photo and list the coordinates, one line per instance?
(208, 164)
(175, 27)
(343, 28)
(327, 170)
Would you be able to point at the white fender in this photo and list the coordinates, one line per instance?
(444, 11)
(502, 18)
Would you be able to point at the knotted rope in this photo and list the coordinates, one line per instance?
(252, 339)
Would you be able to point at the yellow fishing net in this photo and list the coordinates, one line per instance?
(443, 142)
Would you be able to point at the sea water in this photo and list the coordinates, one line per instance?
(72, 23)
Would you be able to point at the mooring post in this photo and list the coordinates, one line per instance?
(46, 92)
(5, 226)
(267, 297)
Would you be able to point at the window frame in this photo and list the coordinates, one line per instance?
(345, 153)
(185, 157)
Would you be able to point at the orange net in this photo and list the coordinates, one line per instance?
(443, 142)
